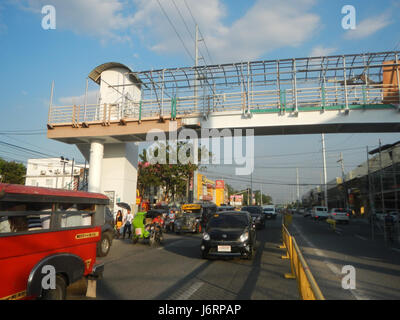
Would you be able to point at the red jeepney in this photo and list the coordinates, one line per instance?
(42, 228)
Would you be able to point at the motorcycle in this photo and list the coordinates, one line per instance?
(169, 222)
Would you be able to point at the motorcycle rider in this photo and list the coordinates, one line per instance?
(159, 221)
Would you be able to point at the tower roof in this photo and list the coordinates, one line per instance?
(95, 74)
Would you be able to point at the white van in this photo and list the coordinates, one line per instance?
(270, 211)
(319, 213)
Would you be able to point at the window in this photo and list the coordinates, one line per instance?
(24, 217)
(76, 215)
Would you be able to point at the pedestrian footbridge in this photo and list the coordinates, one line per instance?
(330, 94)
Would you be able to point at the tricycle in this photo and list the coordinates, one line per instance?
(147, 226)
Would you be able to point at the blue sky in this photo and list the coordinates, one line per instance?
(136, 33)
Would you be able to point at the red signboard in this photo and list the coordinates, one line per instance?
(219, 184)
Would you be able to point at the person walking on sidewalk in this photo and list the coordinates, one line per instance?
(128, 225)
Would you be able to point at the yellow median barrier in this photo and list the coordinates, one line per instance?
(332, 223)
(308, 287)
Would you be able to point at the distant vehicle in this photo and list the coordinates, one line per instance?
(194, 217)
(380, 215)
(307, 212)
(229, 233)
(225, 208)
(257, 214)
(395, 215)
(269, 211)
(319, 213)
(339, 215)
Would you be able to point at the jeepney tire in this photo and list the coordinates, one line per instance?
(104, 245)
(59, 293)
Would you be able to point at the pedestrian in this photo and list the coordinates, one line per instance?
(118, 222)
(128, 225)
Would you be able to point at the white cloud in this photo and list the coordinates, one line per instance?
(92, 97)
(268, 25)
(368, 27)
(321, 51)
(106, 19)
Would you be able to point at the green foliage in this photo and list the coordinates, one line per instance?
(12, 172)
(173, 177)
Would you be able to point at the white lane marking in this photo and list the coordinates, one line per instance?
(360, 237)
(331, 266)
(189, 292)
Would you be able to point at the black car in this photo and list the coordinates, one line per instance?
(229, 233)
(257, 214)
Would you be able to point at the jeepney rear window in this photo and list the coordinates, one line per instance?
(25, 217)
(76, 215)
(22, 217)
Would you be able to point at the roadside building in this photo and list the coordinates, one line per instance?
(373, 186)
(56, 173)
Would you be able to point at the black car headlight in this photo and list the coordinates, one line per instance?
(244, 237)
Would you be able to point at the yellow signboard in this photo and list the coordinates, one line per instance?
(191, 206)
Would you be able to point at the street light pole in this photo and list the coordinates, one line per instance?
(324, 165)
(63, 161)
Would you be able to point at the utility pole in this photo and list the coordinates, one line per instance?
(251, 187)
(324, 165)
(196, 63)
(71, 186)
(261, 195)
(63, 161)
(371, 201)
(298, 187)
(381, 177)
(343, 181)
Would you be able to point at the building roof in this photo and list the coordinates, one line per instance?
(14, 192)
(383, 148)
(95, 74)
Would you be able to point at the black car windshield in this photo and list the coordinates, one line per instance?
(228, 221)
(252, 210)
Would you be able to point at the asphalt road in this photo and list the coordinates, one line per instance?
(377, 265)
(175, 271)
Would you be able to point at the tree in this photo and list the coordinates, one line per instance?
(174, 178)
(12, 172)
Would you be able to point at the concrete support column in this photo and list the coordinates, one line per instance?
(95, 166)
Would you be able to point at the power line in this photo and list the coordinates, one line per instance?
(18, 140)
(31, 151)
(173, 27)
